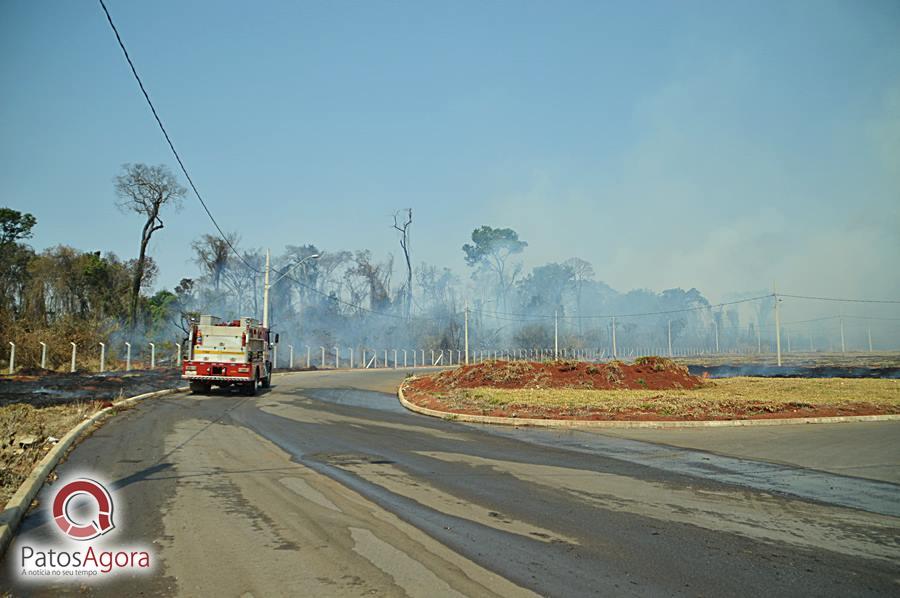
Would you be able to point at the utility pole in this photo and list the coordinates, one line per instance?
(615, 353)
(266, 294)
(556, 334)
(777, 326)
(670, 338)
(843, 346)
(716, 326)
(466, 328)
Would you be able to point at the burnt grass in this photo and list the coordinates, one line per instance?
(38, 407)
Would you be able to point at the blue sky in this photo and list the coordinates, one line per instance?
(721, 145)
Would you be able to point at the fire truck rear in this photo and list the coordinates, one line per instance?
(228, 354)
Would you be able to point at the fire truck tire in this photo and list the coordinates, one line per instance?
(250, 387)
(267, 381)
(200, 387)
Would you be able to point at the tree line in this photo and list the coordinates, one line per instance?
(344, 298)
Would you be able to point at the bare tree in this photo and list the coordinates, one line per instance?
(145, 190)
(583, 272)
(403, 228)
(212, 255)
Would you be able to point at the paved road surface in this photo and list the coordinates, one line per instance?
(324, 485)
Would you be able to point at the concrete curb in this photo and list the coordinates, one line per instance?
(18, 505)
(574, 423)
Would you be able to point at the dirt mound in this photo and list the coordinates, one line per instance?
(651, 373)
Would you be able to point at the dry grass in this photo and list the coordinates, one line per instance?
(716, 398)
(18, 422)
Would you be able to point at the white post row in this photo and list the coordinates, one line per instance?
(395, 359)
(127, 357)
(43, 356)
(152, 356)
(102, 357)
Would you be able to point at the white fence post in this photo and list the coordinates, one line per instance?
(337, 358)
(74, 348)
(177, 352)
(351, 358)
(395, 359)
(127, 357)
(432, 357)
(323, 356)
(274, 356)
(152, 356)
(291, 356)
(404, 357)
(307, 357)
(385, 358)
(102, 356)
(362, 359)
(12, 357)
(43, 356)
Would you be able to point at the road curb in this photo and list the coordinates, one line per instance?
(575, 423)
(18, 505)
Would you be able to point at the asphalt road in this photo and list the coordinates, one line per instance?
(324, 485)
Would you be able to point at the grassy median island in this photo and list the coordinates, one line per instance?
(650, 389)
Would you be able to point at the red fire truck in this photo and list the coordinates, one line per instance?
(228, 354)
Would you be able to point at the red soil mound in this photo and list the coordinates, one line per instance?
(652, 373)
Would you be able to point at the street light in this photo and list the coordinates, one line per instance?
(268, 285)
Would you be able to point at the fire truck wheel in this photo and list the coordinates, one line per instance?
(250, 387)
(267, 381)
(200, 387)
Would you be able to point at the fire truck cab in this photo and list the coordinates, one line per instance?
(224, 354)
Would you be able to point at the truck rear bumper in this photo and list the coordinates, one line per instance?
(216, 378)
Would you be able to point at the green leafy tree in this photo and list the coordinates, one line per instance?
(491, 250)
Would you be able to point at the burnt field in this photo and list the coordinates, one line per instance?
(797, 365)
(38, 407)
(41, 388)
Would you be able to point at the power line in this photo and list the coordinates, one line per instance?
(839, 300)
(525, 317)
(169, 139)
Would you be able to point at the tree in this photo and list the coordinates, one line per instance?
(543, 289)
(15, 225)
(403, 228)
(14, 256)
(583, 272)
(490, 250)
(212, 255)
(145, 190)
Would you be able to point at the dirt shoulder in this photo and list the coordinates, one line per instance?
(638, 396)
(39, 408)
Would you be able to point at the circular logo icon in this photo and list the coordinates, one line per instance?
(83, 530)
